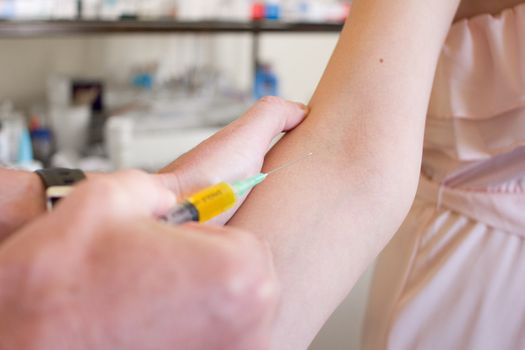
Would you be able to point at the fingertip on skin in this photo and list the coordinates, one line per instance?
(304, 108)
(303, 111)
(279, 102)
(291, 113)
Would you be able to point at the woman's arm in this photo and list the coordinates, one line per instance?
(327, 218)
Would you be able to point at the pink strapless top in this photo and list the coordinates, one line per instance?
(479, 90)
(477, 108)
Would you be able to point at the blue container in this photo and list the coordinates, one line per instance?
(272, 12)
(266, 82)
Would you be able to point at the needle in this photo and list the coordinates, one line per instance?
(289, 164)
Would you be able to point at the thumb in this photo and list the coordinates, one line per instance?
(259, 126)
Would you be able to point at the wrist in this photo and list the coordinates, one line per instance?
(36, 199)
(29, 195)
(21, 200)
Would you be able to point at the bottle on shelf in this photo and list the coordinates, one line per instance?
(272, 10)
(266, 82)
(16, 149)
(258, 11)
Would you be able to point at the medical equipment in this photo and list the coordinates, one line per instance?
(218, 199)
(152, 137)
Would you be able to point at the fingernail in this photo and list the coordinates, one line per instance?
(303, 106)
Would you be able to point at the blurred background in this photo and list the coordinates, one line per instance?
(110, 84)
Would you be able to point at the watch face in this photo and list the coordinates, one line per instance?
(55, 194)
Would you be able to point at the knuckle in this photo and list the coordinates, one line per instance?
(248, 278)
(256, 292)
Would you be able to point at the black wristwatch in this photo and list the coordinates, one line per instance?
(58, 183)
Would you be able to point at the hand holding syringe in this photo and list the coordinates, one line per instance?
(218, 199)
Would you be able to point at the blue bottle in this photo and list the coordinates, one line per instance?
(272, 10)
(266, 82)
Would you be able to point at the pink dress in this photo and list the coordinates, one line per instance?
(453, 277)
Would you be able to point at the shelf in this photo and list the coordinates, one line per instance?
(32, 29)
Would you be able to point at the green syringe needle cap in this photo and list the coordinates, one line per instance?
(244, 186)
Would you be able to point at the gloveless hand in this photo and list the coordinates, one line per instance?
(101, 272)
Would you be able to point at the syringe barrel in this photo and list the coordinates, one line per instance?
(205, 205)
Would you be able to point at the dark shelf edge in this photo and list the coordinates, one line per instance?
(29, 29)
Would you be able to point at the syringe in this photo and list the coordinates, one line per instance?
(218, 199)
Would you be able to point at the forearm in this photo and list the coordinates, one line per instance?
(21, 200)
(328, 217)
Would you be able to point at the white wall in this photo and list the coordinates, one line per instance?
(25, 64)
(300, 60)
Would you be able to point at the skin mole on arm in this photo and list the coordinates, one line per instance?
(381, 60)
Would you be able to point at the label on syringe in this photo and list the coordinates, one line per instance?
(213, 201)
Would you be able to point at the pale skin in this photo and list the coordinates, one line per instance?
(327, 218)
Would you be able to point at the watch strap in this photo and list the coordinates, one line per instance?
(58, 183)
(60, 177)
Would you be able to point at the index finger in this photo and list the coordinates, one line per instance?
(237, 151)
(125, 194)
